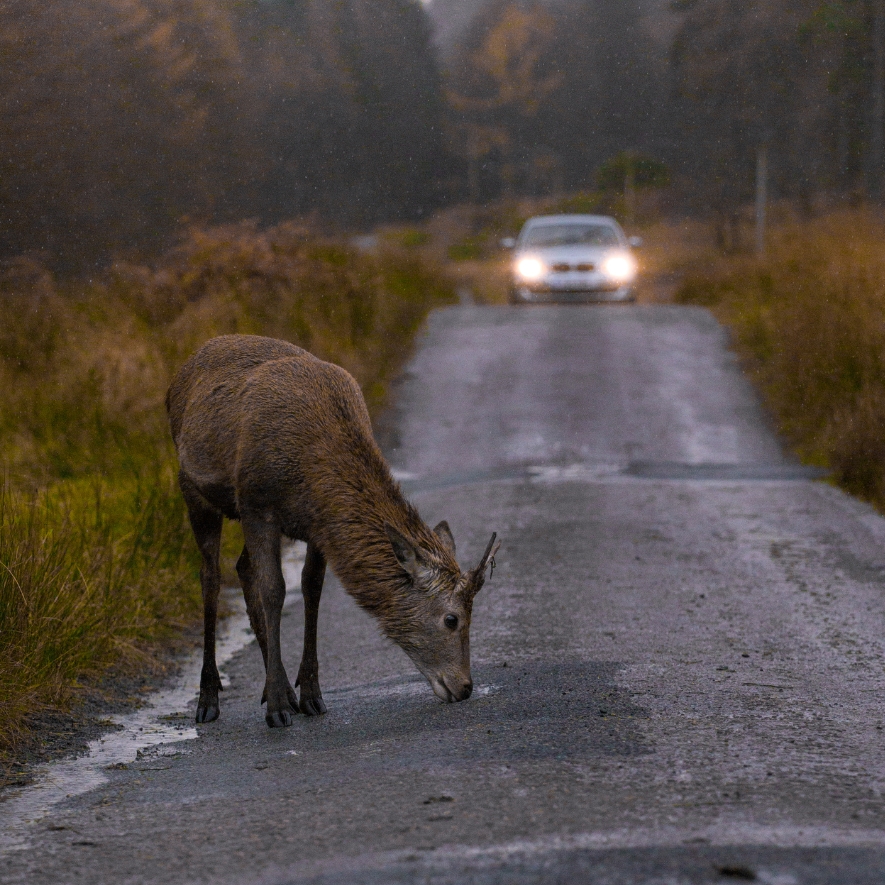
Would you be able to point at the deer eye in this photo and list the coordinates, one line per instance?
(451, 621)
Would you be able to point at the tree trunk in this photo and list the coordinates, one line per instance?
(761, 197)
(877, 102)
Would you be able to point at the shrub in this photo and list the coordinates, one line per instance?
(472, 249)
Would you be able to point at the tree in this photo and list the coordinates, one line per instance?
(499, 82)
(124, 116)
(852, 33)
(744, 77)
(553, 88)
(108, 105)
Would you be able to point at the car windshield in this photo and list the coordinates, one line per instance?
(571, 234)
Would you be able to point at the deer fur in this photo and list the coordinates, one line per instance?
(270, 435)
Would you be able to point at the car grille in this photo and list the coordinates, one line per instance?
(564, 267)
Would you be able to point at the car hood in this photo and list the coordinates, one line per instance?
(570, 254)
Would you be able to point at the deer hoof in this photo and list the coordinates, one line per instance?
(281, 719)
(312, 706)
(207, 712)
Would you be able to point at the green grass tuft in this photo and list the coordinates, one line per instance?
(91, 574)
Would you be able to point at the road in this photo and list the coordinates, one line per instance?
(678, 661)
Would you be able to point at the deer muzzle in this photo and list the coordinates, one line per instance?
(451, 689)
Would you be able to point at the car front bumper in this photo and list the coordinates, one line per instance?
(558, 295)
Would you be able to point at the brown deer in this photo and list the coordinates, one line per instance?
(270, 435)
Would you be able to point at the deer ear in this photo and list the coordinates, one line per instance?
(444, 533)
(405, 552)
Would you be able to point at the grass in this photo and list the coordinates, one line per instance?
(91, 574)
(807, 320)
(98, 571)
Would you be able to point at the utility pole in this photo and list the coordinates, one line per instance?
(630, 188)
(761, 197)
(473, 165)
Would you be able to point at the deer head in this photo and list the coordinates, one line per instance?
(434, 618)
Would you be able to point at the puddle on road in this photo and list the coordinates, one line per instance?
(617, 472)
(165, 719)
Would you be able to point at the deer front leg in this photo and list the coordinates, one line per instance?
(312, 576)
(256, 614)
(263, 545)
(206, 523)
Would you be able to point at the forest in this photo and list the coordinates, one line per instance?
(125, 120)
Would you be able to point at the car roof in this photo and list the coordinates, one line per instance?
(559, 219)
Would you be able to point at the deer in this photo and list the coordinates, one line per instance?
(270, 435)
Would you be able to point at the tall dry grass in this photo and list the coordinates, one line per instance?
(96, 563)
(92, 573)
(809, 320)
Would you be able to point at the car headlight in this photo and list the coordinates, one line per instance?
(530, 269)
(620, 267)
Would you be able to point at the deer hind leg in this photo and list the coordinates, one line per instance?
(312, 576)
(206, 523)
(266, 577)
(253, 603)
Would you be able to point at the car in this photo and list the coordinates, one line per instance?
(572, 258)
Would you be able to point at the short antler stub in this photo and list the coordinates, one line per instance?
(478, 576)
(490, 553)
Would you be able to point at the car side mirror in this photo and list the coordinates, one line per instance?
(508, 243)
(635, 242)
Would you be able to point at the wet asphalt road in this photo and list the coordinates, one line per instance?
(679, 660)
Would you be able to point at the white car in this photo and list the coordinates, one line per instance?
(572, 258)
